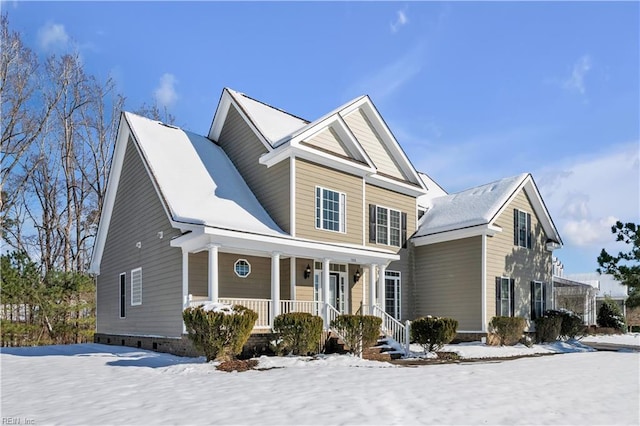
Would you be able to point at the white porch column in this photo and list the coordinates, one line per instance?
(212, 276)
(185, 283)
(372, 287)
(381, 284)
(292, 276)
(275, 286)
(325, 291)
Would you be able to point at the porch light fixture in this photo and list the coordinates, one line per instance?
(356, 276)
(307, 272)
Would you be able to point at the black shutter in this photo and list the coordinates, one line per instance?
(544, 297)
(528, 230)
(498, 281)
(403, 231)
(533, 300)
(372, 223)
(515, 227)
(512, 292)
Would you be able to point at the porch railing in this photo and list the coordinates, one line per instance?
(393, 328)
(311, 307)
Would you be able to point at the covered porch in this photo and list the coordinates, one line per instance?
(280, 275)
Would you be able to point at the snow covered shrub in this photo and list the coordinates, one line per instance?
(433, 332)
(610, 315)
(297, 333)
(571, 326)
(508, 329)
(219, 331)
(358, 331)
(548, 328)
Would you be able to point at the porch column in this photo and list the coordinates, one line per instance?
(185, 284)
(381, 290)
(275, 286)
(372, 287)
(325, 291)
(292, 276)
(212, 276)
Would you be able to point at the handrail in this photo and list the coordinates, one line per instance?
(394, 328)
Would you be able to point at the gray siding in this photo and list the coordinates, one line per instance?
(138, 216)
(270, 185)
(448, 281)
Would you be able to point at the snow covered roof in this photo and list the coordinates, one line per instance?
(433, 191)
(606, 284)
(198, 182)
(475, 206)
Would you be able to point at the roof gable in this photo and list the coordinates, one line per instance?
(481, 206)
(198, 183)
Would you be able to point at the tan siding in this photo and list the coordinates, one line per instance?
(257, 285)
(308, 176)
(198, 274)
(448, 281)
(522, 264)
(393, 200)
(329, 141)
(304, 287)
(270, 185)
(373, 145)
(285, 281)
(138, 216)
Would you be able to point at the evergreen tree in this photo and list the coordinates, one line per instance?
(625, 266)
(610, 315)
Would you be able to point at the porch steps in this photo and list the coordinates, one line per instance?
(334, 345)
(382, 351)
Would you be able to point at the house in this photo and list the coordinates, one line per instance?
(280, 214)
(573, 295)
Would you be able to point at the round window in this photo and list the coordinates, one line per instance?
(242, 268)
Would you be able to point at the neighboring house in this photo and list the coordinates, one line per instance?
(573, 295)
(281, 214)
(606, 286)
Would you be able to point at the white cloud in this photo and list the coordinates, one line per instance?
(391, 77)
(400, 21)
(576, 82)
(165, 93)
(52, 37)
(585, 196)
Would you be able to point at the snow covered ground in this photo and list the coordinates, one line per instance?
(98, 384)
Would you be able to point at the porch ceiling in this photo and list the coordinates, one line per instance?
(260, 245)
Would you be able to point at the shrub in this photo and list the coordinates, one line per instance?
(297, 333)
(610, 315)
(548, 328)
(219, 331)
(571, 326)
(433, 332)
(509, 330)
(358, 331)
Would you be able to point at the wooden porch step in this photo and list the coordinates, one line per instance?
(381, 352)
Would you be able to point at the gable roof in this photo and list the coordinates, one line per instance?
(284, 135)
(481, 206)
(196, 181)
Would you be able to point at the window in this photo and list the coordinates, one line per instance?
(136, 287)
(387, 226)
(538, 299)
(505, 300)
(392, 297)
(521, 228)
(123, 286)
(242, 268)
(330, 210)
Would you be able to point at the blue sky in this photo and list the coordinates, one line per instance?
(472, 91)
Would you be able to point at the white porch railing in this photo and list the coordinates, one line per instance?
(261, 306)
(311, 307)
(393, 328)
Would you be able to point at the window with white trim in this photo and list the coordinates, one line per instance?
(505, 302)
(330, 210)
(522, 228)
(242, 268)
(387, 226)
(538, 296)
(136, 287)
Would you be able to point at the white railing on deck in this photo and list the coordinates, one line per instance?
(393, 328)
(261, 306)
(311, 307)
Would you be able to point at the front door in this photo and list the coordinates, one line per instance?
(337, 289)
